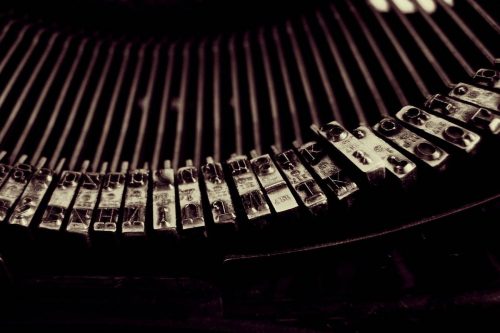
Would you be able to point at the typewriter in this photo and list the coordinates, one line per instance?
(213, 166)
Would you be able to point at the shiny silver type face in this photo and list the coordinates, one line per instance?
(369, 165)
(58, 207)
(4, 172)
(108, 211)
(217, 191)
(330, 174)
(275, 187)
(301, 182)
(478, 96)
(13, 187)
(425, 151)
(398, 166)
(136, 196)
(467, 114)
(489, 78)
(32, 197)
(249, 191)
(163, 199)
(191, 210)
(85, 203)
(439, 128)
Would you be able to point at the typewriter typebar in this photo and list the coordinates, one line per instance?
(4, 172)
(467, 114)
(59, 207)
(337, 184)
(80, 218)
(301, 182)
(191, 210)
(279, 195)
(398, 166)
(13, 187)
(255, 206)
(477, 96)
(439, 128)
(31, 199)
(489, 78)
(370, 165)
(164, 210)
(108, 210)
(5, 168)
(136, 197)
(422, 149)
(218, 195)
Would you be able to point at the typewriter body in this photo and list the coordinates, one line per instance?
(318, 166)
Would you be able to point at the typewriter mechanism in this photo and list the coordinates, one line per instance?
(195, 165)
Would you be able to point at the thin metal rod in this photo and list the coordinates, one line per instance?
(14, 46)
(402, 54)
(181, 105)
(6, 29)
(125, 123)
(271, 87)
(85, 166)
(104, 168)
(386, 68)
(445, 40)
(216, 98)
(484, 14)
(92, 108)
(146, 108)
(59, 166)
(325, 80)
(22, 159)
(304, 78)
(292, 106)
(20, 67)
(60, 99)
(200, 99)
(124, 167)
(41, 99)
(112, 107)
(346, 78)
(41, 162)
(27, 87)
(76, 104)
(155, 163)
(436, 65)
(254, 109)
(236, 96)
(467, 31)
(372, 86)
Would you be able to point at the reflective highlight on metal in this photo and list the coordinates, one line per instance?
(368, 164)
(191, 210)
(275, 187)
(217, 191)
(250, 194)
(58, 207)
(467, 114)
(301, 182)
(439, 128)
(164, 211)
(338, 185)
(477, 96)
(420, 148)
(397, 165)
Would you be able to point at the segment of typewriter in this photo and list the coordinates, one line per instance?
(166, 157)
